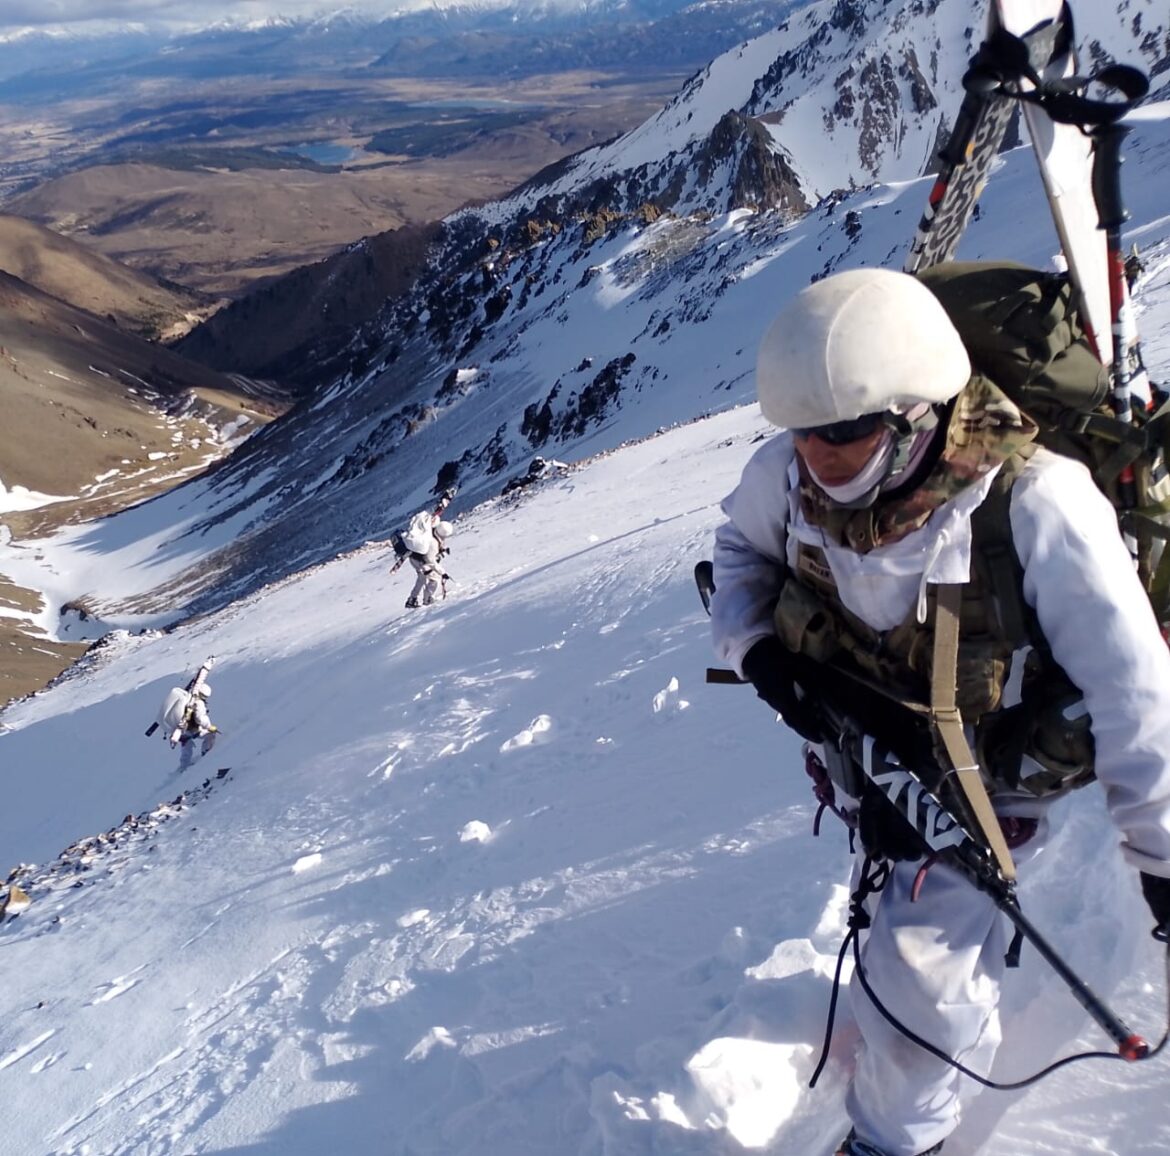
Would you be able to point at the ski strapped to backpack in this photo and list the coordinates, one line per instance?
(1077, 139)
(1004, 64)
(193, 684)
(1062, 117)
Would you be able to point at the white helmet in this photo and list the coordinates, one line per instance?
(203, 690)
(444, 530)
(860, 342)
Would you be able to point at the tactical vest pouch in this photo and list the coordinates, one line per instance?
(805, 624)
(899, 659)
(1044, 746)
(979, 677)
(1050, 725)
(1062, 743)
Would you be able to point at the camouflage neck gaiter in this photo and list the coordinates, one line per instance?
(984, 430)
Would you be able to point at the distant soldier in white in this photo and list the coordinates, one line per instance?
(431, 578)
(198, 732)
(426, 539)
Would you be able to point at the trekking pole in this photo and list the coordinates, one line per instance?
(968, 857)
(1100, 119)
(1130, 1046)
(1112, 214)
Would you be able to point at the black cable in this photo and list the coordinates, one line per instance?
(938, 1053)
(869, 883)
(832, 1016)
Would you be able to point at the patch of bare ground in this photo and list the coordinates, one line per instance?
(101, 419)
(30, 659)
(88, 280)
(84, 400)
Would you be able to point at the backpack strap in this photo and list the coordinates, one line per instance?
(996, 563)
(1128, 441)
(949, 724)
(1001, 576)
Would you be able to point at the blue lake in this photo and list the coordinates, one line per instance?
(324, 152)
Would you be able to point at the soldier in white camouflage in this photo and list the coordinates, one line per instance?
(894, 467)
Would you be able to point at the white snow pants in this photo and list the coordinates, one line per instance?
(190, 748)
(936, 964)
(429, 575)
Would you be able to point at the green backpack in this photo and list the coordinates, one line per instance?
(1022, 328)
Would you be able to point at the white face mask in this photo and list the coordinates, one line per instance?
(869, 477)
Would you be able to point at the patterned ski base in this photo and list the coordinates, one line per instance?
(979, 131)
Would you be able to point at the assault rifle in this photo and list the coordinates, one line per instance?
(857, 763)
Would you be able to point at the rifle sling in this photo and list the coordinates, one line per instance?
(949, 724)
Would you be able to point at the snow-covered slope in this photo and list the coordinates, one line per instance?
(502, 876)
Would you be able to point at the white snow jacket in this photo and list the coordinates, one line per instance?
(1078, 577)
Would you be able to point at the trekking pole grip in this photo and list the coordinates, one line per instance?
(1107, 162)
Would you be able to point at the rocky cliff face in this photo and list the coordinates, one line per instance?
(291, 329)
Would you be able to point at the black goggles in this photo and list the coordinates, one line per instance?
(840, 433)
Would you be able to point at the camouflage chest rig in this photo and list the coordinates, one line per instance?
(1001, 678)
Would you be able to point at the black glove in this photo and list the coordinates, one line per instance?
(1157, 893)
(884, 831)
(788, 683)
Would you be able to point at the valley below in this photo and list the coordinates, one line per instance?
(220, 188)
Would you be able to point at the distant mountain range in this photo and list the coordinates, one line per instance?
(456, 40)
